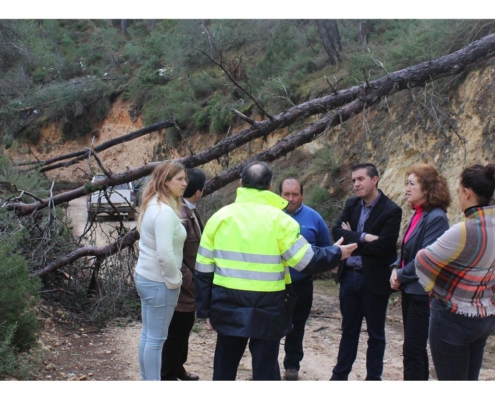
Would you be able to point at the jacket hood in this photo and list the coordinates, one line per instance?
(248, 195)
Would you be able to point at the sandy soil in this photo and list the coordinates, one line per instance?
(321, 343)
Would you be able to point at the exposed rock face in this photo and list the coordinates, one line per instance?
(450, 125)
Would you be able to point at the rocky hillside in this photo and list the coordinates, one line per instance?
(450, 129)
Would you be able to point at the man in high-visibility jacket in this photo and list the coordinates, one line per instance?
(242, 274)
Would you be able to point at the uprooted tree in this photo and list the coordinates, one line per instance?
(335, 108)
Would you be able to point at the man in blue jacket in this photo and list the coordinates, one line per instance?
(315, 231)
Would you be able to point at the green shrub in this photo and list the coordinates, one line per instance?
(320, 199)
(221, 118)
(7, 141)
(18, 296)
(101, 108)
(317, 196)
(174, 100)
(33, 134)
(204, 84)
(75, 127)
(326, 159)
(281, 49)
(173, 138)
(8, 354)
(362, 67)
(202, 120)
(20, 366)
(279, 92)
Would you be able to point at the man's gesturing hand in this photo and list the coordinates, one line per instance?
(346, 249)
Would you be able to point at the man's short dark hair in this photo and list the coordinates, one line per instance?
(289, 179)
(195, 181)
(371, 170)
(256, 175)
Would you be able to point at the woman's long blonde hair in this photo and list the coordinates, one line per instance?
(156, 186)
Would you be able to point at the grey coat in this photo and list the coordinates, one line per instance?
(430, 227)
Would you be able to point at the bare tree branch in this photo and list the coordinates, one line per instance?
(127, 240)
(243, 117)
(81, 155)
(220, 64)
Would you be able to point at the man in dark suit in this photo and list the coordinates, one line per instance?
(371, 220)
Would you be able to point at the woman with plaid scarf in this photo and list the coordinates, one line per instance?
(459, 272)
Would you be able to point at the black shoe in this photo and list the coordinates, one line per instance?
(169, 378)
(188, 377)
(291, 374)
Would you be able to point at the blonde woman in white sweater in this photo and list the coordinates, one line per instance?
(158, 277)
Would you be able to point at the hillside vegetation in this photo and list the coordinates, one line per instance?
(70, 71)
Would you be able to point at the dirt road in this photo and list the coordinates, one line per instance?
(103, 231)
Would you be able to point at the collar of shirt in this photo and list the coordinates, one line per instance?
(190, 205)
(414, 222)
(471, 210)
(372, 204)
(419, 208)
(295, 212)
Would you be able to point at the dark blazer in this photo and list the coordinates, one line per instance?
(384, 221)
(430, 227)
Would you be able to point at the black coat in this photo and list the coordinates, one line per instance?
(384, 221)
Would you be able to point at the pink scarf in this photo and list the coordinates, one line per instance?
(416, 217)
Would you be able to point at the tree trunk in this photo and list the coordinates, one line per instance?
(330, 37)
(124, 23)
(362, 38)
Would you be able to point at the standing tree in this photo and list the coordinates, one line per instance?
(329, 33)
(363, 39)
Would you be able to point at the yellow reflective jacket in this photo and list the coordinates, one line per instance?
(250, 244)
(242, 265)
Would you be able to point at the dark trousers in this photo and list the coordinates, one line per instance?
(457, 343)
(293, 346)
(175, 348)
(356, 303)
(415, 319)
(230, 349)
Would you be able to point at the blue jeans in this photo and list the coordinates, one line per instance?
(356, 303)
(293, 346)
(457, 343)
(157, 308)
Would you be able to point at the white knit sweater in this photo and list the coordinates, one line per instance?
(161, 242)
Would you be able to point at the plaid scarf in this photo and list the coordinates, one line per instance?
(459, 268)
